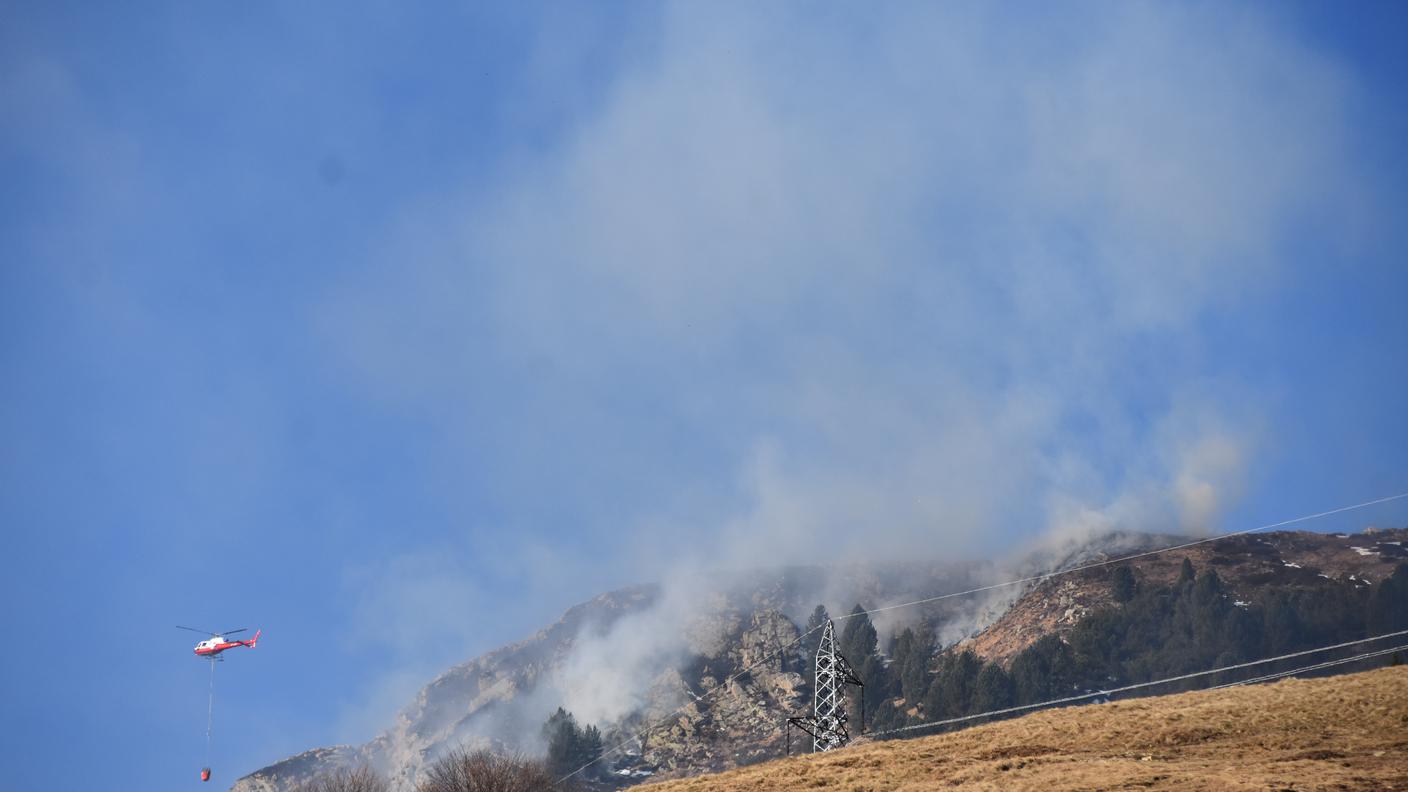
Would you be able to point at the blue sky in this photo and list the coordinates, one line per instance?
(395, 332)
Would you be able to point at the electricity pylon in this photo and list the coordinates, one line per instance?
(827, 723)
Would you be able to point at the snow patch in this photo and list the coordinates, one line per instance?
(1364, 551)
(1289, 564)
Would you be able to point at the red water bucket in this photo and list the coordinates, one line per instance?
(205, 774)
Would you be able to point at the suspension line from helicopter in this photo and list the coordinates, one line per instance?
(209, 721)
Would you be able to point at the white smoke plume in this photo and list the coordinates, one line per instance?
(911, 283)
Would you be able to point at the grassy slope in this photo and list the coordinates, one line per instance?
(1344, 732)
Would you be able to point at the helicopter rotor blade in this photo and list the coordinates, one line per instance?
(232, 632)
(192, 629)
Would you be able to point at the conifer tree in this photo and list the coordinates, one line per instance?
(809, 643)
(562, 737)
(1122, 584)
(858, 643)
(1186, 572)
(589, 745)
(910, 662)
(993, 689)
(900, 645)
(1042, 670)
(570, 747)
(1387, 610)
(859, 639)
(951, 693)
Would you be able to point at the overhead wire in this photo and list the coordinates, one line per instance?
(1310, 668)
(1122, 559)
(1126, 688)
(977, 590)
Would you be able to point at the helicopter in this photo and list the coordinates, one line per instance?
(211, 647)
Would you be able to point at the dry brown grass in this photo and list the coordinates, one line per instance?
(1345, 732)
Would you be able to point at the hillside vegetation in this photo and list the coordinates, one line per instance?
(1211, 605)
(1148, 630)
(1345, 733)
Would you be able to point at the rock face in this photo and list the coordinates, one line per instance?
(1245, 563)
(449, 711)
(299, 769)
(744, 716)
(458, 706)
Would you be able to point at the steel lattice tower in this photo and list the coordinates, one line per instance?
(827, 723)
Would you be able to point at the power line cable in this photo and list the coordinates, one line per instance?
(1145, 554)
(1019, 581)
(1309, 668)
(1126, 688)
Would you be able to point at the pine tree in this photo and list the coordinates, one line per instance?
(879, 687)
(1042, 670)
(950, 693)
(810, 642)
(910, 661)
(900, 645)
(858, 644)
(859, 639)
(1186, 572)
(1387, 609)
(993, 690)
(1281, 624)
(1122, 584)
(589, 747)
(571, 747)
(564, 742)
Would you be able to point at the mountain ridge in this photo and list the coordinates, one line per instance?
(506, 693)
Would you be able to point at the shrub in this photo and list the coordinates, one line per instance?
(361, 779)
(465, 770)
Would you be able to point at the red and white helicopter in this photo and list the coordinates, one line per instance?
(212, 647)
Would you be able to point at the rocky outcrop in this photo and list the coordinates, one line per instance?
(1247, 563)
(300, 769)
(453, 709)
(742, 722)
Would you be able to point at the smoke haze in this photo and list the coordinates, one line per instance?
(395, 329)
(914, 285)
